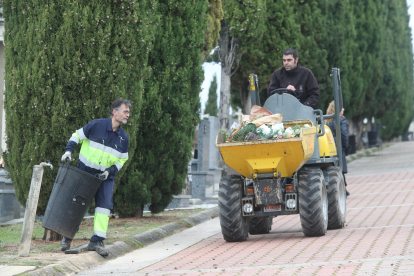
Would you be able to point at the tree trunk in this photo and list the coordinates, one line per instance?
(140, 212)
(227, 56)
(50, 235)
(224, 110)
(355, 128)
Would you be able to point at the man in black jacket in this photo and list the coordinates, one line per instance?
(295, 77)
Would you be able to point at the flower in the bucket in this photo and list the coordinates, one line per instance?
(264, 132)
(251, 137)
(289, 133)
(277, 127)
(296, 130)
(264, 129)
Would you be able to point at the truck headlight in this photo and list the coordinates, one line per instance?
(291, 203)
(248, 208)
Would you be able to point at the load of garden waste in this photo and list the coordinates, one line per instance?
(251, 130)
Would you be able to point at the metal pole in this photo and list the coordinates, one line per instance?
(252, 88)
(338, 108)
(31, 207)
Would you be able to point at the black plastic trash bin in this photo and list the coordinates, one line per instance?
(71, 196)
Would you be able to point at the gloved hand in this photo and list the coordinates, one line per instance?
(103, 176)
(67, 154)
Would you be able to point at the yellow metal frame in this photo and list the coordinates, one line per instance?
(327, 145)
(284, 156)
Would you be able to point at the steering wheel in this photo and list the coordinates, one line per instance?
(291, 92)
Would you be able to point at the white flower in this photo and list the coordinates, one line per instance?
(289, 130)
(264, 129)
(277, 127)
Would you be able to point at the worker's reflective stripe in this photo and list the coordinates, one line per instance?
(122, 161)
(101, 221)
(81, 134)
(99, 233)
(91, 164)
(108, 150)
(104, 211)
(74, 139)
(98, 158)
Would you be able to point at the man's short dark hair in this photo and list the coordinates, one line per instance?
(117, 105)
(292, 52)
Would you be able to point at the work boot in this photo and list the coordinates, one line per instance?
(65, 244)
(99, 247)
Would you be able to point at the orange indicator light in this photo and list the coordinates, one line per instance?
(289, 188)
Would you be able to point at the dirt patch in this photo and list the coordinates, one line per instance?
(39, 245)
(44, 252)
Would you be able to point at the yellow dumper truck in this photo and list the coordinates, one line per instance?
(274, 177)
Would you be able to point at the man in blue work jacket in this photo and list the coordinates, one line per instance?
(104, 151)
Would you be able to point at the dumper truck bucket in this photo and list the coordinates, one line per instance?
(268, 158)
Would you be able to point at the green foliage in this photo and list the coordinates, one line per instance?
(169, 111)
(394, 98)
(311, 16)
(363, 57)
(214, 16)
(65, 63)
(239, 136)
(276, 31)
(370, 41)
(211, 105)
(339, 26)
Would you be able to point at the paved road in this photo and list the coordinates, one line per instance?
(377, 240)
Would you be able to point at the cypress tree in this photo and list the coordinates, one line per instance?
(211, 105)
(340, 43)
(214, 16)
(169, 112)
(311, 16)
(262, 56)
(394, 98)
(65, 63)
(364, 73)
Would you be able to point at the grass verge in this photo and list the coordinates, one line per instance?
(43, 253)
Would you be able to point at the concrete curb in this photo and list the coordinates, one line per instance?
(77, 263)
(364, 152)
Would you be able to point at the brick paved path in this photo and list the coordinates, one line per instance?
(377, 240)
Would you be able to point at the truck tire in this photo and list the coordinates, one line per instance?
(260, 225)
(234, 226)
(313, 202)
(336, 198)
